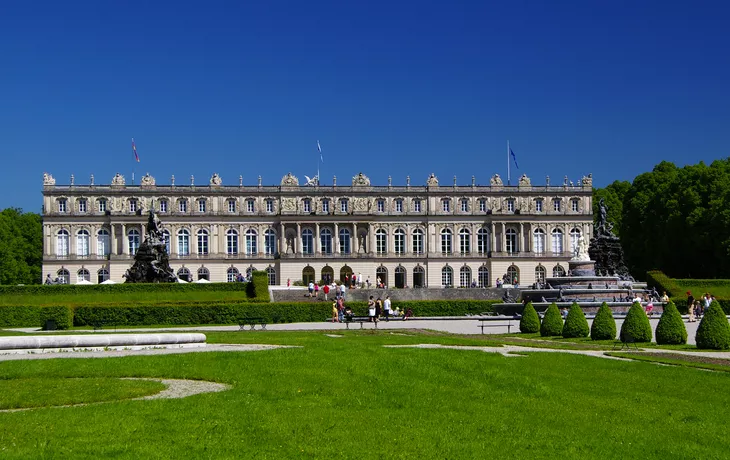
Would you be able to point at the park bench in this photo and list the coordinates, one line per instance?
(252, 322)
(483, 323)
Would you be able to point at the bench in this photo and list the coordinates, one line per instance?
(252, 322)
(482, 324)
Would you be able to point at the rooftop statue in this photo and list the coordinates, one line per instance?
(216, 180)
(360, 180)
(48, 179)
(495, 180)
(289, 181)
(147, 180)
(432, 180)
(118, 179)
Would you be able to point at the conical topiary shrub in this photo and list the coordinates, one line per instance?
(636, 327)
(714, 330)
(530, 321)
(671, 330)
(576, 324)
(552, 323)
(604, 326)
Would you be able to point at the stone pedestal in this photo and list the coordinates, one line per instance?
(582, 267)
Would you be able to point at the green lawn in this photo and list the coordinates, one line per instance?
(350, 397)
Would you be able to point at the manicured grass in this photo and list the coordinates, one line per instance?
(49, 391)
(699, 362)
(348, 396)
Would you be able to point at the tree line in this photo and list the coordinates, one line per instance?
(673, 219)
(21, 247)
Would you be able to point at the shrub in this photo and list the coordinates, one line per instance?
(36, 316)
(636, 326)
(576, 324)
(530, 321)
(671, 330)
(552, 322)
(714, 331)
(604, 325)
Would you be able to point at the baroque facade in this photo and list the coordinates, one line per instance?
(407, 236)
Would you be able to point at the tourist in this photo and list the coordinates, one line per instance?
(316, 290)
(377, 282)
(368, 282)
(473, 284)
(649, 306)
(348, 313)
(499, 282)
(359, 279)
(692, 309)
(334, 313)
(371, 309)
(665, 297)
(343, 289)
(288, 283)
(690, 299)
(386, 308)
(707, 301)
(378, 309)
(340, 308)
(564, 313)
(409, 314)
(326, 290)
(310, 288)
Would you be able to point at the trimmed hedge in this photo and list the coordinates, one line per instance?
(671, 330)
(530, 321)
(636, 324)
(604, 325)
(36, 316)
(713, 333)
(576, 324)
(552, 322)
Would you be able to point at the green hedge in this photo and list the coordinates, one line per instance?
(530, 321)
(636, 325)
(576, 324)
(36, 316)
(552, 322)
(714, 331)
(604, 325)
(671, 330)
(662, 282)
(122, 288)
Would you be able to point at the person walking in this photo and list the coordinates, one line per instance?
(310, 288)
(340, 309)
(386, 308)
(378, 309)
(326, 290)
(316, 291)
(371, 309)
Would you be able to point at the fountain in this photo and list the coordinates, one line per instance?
(151, 262)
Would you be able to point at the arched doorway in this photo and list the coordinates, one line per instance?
(308, 275)
(382, 273)
(328, 274)
(345, 272)
(400, 277)
(419, 277)
(513, 275)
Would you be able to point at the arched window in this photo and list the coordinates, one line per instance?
(251, 238)
(418, 241)
(328, 274)
(203, 243)
(464, 241)
(103, 242)
(203, 274)
(538, 244)
(399, 241)
(540, 274)
(64, 277)
(446, 247)
(270, 242)
(232, 243)
(184, 274)
(513, 275)
(325, 241)
(511, 241)
(62, 243)
(447, 276)
(166, 239)
(271, 275)
(308, 242)
(483, 276)
(400, 277)
(102, 275)
(557, 241)
(558, 271)
(381, 242)
(133, 241)
(83, 275)
(308, 275)
(82, 243)
(344, 241)
(482, 241)
(464, 277)
(183, 242)
(574, 237)
(419, 277)
(382, 274)
(232, 274)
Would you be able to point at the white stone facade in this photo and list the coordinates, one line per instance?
(431, 235)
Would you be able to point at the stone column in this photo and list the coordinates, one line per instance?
(504, 237)
(354, 243)
(493, 238)
(521, 244)
(93, 246)
(298, 243)
(282, 239)
(317, 241)
(336, 238)
(125, 240)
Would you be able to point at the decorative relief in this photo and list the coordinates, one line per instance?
(289, 181)
(118, 179)
(360, 204)
(432, 180)
(587, 181)
(360, 180)
(48, 179)
(288, 204)
(524, 205)
(147, 180)
(215, 180)
(524, 181)
(495, 180)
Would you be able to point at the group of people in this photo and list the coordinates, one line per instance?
(313, 290)
(378, 308)
(505, 280)
(697, 307)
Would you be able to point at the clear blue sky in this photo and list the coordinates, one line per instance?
(389, 88)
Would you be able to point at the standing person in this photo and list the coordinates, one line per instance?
(378, 309)
(340, 309)
(310, 288)
(690, 299)
(316, 290)
(368, 282)
(354, 281)
(326, 290)
(371, 309)
(691, 311)
(665, 297)
(359, 279)
(288, 283)
(335, 318)
(386, 308)
(343, 289)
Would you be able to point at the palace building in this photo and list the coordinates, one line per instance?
(430, 235)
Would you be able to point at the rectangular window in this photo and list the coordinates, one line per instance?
(398, 205)
(132, 205)
(446, 205)
(307, 206)
(270, 205)
(464, 205)
(183, 206)
(62, 206)
(163, 206)
(556, 204)
(417, 242)
(325, 205)
(102, 205)
(381, 206)
(201, 205)
(482, 205)
(249, 206)
(511, 205)
(343, 205)
(574, 205)
(538, 205)
(231, 206)
(82, 205)
(416, 205)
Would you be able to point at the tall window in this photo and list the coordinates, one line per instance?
(416, 205)
(62, 205)
(557, 241)
(271, 275)
(446, 205)
(103, 243)
(182, 205)
(482, 205)
(418, 241)
(574, 205)
(343, 205)
(64, 277)
(203, 274)
(83, 275)
(482, 241)
(82, 243)
(307, 241)
(307, 205)
(231, 206)
(538, 205)
(483, 277)
(183, 242)
(464, 241)
(399, 241)
(540, 273)
(464, 277)
(102, 275)
(325, 240)
(269, 242)
(163, 205)
(231, 274)
(511, 241)
(133, 241)
(447, 276)
(464, 205)
(538, 243)
(62, 243)
(133, 205)
(574, 237)
(325, 205)
(344, 241)
(203, 242)
(446, 241)
(201, 205)
(558, 271)
(251, 237)
(556, 204)
(82, 205)
(399, 205)
(166, 239)
(232, 242)
(513, 275)
(249, 206)
(510, 205)
(381, 242)
(102, 205)
(184, 274)
(270, 205)
(381, 205)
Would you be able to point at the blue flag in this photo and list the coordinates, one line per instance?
(512, 154)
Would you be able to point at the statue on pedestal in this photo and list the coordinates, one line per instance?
(151, 262)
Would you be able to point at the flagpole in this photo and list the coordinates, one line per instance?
(508, 178)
